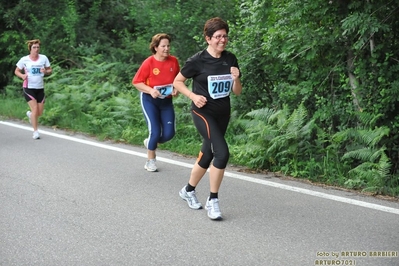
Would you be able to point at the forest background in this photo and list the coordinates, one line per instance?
(320, 78)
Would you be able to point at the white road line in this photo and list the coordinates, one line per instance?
(232, 175)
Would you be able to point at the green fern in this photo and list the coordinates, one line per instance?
(371, 166)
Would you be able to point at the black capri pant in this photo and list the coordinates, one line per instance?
(212, 128)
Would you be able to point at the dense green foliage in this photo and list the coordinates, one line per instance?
(320, 98)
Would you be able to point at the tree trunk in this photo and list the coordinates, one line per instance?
(353, 81)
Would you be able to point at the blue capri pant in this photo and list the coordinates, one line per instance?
(160, 117)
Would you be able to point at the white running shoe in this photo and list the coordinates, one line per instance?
(146, 143)
(150, 165)
(191, 198)
(213, 209)
(28, 114)
(36, 135)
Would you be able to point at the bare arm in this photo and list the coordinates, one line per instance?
(147, 89)
(179, 84)
(19, 74)
(237, 87)
(47, 71)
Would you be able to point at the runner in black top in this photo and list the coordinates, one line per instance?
(215, 74)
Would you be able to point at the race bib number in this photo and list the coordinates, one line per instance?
(219, 86)
(35, 71)
(164, 90)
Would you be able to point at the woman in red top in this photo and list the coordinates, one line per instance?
(154, 80)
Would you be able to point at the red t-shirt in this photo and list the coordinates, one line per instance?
(155, 73)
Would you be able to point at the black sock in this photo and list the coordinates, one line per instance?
(213, 195)
(189, 188)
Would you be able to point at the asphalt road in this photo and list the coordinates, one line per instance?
(68, 199)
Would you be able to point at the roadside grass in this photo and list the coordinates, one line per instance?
(14, 108)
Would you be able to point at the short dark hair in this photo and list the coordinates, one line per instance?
(214, 24)
(156, 39)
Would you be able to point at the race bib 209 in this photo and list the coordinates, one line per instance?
(220, 86)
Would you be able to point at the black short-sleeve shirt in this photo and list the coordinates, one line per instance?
(199, 67)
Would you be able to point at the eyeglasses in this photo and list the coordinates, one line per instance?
(34, 47)
(218, 37)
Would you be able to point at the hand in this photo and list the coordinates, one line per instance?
(154, 93)
(198, 100)
(235, 72)
(175, 92)
(43, 70)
